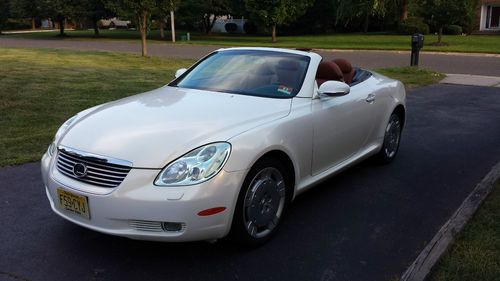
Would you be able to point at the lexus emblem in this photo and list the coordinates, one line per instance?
(79, 170)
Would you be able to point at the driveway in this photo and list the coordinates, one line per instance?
(488, 65)
(368, 223)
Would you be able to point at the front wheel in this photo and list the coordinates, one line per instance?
(392, 138)
(261, 203)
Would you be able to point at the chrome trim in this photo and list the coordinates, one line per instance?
(100, 170)
(96, 157)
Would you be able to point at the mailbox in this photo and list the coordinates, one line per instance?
(417, 40)
(417, 43)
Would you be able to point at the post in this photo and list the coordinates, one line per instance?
(417, 42)
(172, 24)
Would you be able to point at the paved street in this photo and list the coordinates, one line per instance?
(488, 65)
(368, 223)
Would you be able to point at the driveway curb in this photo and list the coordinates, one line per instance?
(430, 255)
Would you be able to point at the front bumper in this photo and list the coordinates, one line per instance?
(136, 203)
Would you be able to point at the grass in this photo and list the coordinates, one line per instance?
(476, 252)
(457, 43)
(42, 88)
(412, 77)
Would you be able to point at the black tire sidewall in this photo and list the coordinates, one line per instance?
(238, 233)
(383, 157)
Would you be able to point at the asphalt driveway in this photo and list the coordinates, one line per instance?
(475, 64)
(368, 223)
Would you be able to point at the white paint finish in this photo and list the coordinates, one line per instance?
(152, 129)
(321, 135)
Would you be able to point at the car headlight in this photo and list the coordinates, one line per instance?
(52, 147)
(196, 166)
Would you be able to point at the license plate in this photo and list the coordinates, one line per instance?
(74, 203)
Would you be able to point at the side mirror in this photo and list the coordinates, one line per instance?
(179, 72)
(334, 89)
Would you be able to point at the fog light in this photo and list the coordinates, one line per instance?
(171, 226)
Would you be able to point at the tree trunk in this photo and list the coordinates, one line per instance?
(206, 24)
(440, 35)
(143, 29)
(96, 27)
(404, 10)
(273, 34)
(33, 23)
(367, 23)
(172, 24)
(62, 21)
(162, 28)
(212, 23)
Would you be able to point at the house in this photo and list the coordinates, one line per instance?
(220, 24)
(488, 17)
(114, 23)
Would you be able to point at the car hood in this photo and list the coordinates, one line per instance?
(152, 129)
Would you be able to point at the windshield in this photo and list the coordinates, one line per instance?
(248, 72)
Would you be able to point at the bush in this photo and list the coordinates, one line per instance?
(453, 30)
(231, 27)
(412, 26)
(14, 24)
(250, 27)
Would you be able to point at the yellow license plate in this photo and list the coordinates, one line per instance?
(74, 203)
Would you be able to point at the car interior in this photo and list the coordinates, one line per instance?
(286, 72)
(340, 70)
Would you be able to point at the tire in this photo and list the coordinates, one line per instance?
(262, 202)
(392, 139)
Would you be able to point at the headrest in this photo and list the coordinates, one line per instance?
(344, 65)
(289, 65)
(328, 70)
(263, 70)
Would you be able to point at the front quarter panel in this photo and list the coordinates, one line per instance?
(291, 135)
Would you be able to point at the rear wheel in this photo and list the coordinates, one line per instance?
(392, 138)
(261, 203)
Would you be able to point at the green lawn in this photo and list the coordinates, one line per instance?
(473, 43)
(41, 88)
(476, 252)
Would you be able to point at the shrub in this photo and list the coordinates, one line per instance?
(17, 24)
(453, 30)
(250, 27)
(231, 27)
(413, 25)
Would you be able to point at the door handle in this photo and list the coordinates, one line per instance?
(370, 98)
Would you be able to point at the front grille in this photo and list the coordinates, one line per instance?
(151, 226)
(156, 226)
(94, 169)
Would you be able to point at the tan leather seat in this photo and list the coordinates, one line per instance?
(328, 70)
(347, 70)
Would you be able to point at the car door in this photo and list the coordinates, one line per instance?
(341, 126)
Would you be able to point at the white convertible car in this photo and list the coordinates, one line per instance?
(223, 148)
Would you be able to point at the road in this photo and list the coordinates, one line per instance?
(368, 223)
(488, 65)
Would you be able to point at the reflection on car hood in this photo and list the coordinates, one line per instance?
(154, 128)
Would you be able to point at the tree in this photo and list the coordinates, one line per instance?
(273, 13)
(26, 9)
(213, 9)
(4, 13)
(349, 11)
(166, 8)
(59, 10)
(440, 13)
(95, 10)
(141, 10)
(404, 10)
